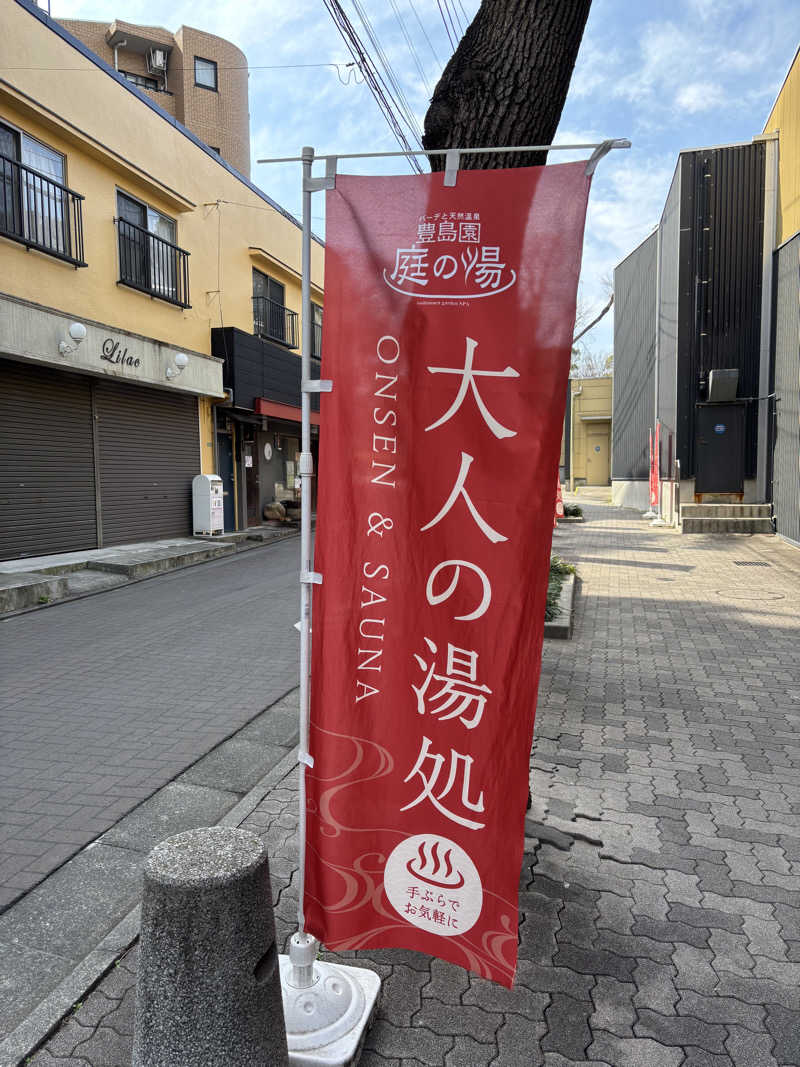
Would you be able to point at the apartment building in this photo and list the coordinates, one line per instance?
(150, 306)
(198, 78)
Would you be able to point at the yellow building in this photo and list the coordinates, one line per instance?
(784, 119)
(586, 438)
(149, 309)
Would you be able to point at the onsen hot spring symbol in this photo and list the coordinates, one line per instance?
(433, 884)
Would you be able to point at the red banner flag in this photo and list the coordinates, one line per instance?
(559, 502)
(448, 329)
(655, 474)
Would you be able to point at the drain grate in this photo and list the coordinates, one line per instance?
(749, 563)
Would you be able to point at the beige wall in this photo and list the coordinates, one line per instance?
(112, 141)
(219, 118)
(590, 435)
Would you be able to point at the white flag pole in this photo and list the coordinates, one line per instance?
(327, 1008)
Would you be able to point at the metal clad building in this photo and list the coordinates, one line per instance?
(786, 470)
(634, 368)
(671, 228)
(722, 212)
(707, 316)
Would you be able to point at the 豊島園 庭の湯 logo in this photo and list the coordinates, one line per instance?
(448, 260)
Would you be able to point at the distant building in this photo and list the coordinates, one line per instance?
(692, 336)
(586, 439)
(716, 288)
(195, 76)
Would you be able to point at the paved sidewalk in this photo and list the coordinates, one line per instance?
(660, 899)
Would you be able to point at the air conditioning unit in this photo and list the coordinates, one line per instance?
(157, 61)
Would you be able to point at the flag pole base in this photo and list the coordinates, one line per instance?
(327, 1007)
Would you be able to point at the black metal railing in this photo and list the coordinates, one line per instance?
(152, 265)
(40, 213)
(316, 339)
(274, 321)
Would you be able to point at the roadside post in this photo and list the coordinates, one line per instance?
(208, 990)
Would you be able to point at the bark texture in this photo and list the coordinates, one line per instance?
(507, 81)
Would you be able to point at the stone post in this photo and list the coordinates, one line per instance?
(208, 991)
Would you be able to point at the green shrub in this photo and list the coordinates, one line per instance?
(573, 511)
(559, 569)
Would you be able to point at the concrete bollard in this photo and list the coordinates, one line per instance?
(208, 992)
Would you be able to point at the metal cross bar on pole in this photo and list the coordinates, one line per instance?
(619, 142)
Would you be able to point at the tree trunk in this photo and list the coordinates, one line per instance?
(507, 81)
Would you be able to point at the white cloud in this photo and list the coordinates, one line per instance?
(700, 96)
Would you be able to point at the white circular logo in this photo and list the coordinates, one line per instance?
(267, 451)
(433, 884)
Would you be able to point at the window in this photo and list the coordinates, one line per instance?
(34, 205)
(141, 81)
(148, 256)
(316, 331)
(205, 73)
(271, 317)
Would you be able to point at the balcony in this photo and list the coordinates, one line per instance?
(274, 321)
(316, 340)
(152, 265)
(40, 213)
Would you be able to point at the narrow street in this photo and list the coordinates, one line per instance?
(106, 699)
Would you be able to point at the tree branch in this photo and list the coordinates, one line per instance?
(594, 322)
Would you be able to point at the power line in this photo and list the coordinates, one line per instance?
(412, 5)
(371, 76)
(455, 19)
(447, 28)
(410, 43)
(401, 102)
(220, 66)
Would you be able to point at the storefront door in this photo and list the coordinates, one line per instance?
(225, 471)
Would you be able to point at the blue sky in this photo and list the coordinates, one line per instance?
(667, 75)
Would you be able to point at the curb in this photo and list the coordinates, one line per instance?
(561, 626)
(28, 1035)
(147, 577)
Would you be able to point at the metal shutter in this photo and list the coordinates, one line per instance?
(47, 491)
(149, 446)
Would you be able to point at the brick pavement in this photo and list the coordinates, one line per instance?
(660, 897)
(106, 699)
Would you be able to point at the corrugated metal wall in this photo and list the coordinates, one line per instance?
(47, 490)
(668, 323)
(149, 450)
(722, 222)
(55, 476)
(786, 469)
(634, 361)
